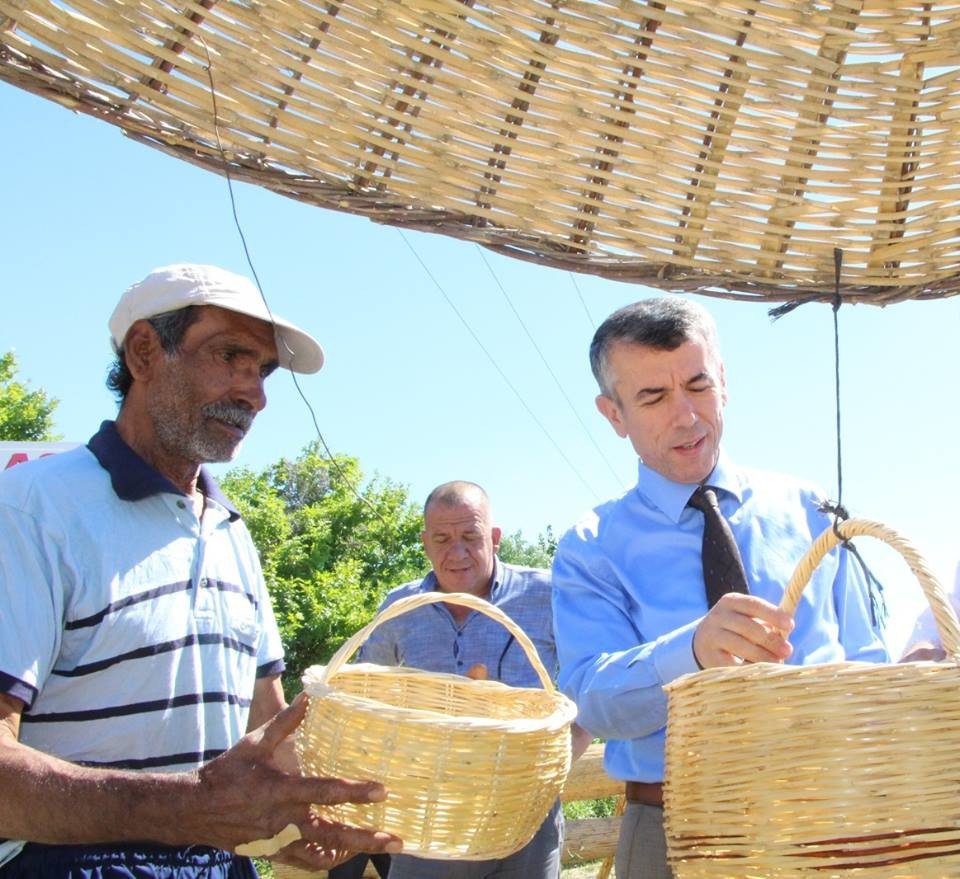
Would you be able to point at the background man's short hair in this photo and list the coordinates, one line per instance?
(170, 327)
(456, 492)
(664, 323)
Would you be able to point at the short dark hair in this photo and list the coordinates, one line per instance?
(664, 323)
(170, 327)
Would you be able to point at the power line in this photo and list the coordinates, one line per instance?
(497, 367)
(546, 364)
(583, 302)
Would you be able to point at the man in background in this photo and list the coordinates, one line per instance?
(461, 542)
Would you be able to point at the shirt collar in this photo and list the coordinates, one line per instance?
(671, 497)
(430, 583)
(498, 572)
(133, 479)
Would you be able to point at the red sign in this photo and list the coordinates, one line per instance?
(18, 453)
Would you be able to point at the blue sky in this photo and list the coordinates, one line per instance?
(407, 387)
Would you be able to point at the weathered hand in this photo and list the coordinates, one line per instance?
(317, 855)
(742, 628)
(311, 856)
(245, 795)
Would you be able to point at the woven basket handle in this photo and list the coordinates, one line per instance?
(464, 599)
(943, 612)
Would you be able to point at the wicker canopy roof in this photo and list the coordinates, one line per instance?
(723, 146)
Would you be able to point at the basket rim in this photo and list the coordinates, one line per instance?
(564, 710)
(770, 670)
(313, 677)
(401, 606)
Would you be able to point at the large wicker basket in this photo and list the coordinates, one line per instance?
(844, 769)
(725, 148)
(472, 767)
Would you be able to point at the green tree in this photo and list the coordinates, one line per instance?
(25, 415)
(330, 545)
(517, 550)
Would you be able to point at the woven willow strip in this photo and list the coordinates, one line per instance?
(472, 767)
(724, 146)
(837, 770)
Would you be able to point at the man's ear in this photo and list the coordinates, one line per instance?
(496, 534)
(610, 410)
(142, 350)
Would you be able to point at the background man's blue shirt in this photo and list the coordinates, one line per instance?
(429, 638)
(629, 594)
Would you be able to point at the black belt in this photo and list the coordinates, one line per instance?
(647, 793)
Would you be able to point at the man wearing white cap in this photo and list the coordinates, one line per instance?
(138, 645)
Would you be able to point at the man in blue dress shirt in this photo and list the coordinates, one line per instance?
(630, 608)
(461, 542)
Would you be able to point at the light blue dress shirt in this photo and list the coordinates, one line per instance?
(628, 594)
(428, 637)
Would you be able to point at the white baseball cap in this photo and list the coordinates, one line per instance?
(173, 287)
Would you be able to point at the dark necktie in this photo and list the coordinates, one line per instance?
(722, 566)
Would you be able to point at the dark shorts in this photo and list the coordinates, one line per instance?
(132, 861)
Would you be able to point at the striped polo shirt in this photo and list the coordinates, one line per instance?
(132, 630)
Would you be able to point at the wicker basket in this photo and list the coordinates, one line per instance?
(472, 767)
(723, 147)
(832, 770)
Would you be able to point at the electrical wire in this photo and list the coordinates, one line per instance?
(498, 368)
(546, 364)
(583, 302)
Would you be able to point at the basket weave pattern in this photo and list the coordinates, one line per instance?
(726, 147)
(837, 770)
(472, 767)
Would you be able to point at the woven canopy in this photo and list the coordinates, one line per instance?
(723, 146)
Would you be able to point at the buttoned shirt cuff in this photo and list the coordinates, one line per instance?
(673, 653)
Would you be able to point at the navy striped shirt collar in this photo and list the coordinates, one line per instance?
(133, 479)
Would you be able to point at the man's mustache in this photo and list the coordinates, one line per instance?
(235, 414)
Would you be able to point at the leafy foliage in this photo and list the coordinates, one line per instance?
(602, 807)
(25, 415)
(330, 547)
(514, 548)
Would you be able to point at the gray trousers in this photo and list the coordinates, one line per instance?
(642, 847)
(538, 859)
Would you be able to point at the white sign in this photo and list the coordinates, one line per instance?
(17, 453)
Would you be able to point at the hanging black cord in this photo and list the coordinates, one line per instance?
(878, 602)
(837, 267)
(878, 605)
